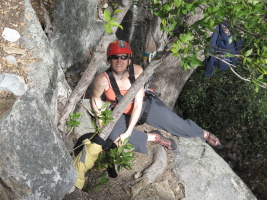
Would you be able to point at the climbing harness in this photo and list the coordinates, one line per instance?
(149, 93)
(115, 85)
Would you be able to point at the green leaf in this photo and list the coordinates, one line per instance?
(196, 62)
(118, 161)
(254, 2)
(229, 55)
(69, 127)
(112, 20)
(117, 11)
(238, 7)
(211, 23)
(243, 13)
(249, 60)
(230, 39)
(172, 26)
(256, 88)
(263, 60)
(128, 154)
(177, 3)
(248, 52)
(210, 9)
(182, 37)
(184, 11)
(189, 36)
(108, 28)
(107, 15)
(260, 78)
(166, 7)
(128, 158)
(116, 24)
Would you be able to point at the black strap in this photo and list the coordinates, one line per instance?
(108, 144)
(96, 139)
(144, 116)
(114, 83)
(131, 74)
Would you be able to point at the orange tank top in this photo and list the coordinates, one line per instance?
(111, 96)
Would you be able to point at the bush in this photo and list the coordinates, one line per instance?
(229, 107)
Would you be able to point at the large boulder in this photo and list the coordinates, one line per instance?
(74, 32)
(205, 175)
(34, 161)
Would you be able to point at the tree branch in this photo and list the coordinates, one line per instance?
(231, 67)
(159, 40)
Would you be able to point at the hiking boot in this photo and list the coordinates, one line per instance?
(166, 142)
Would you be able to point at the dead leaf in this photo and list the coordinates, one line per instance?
(14, 50)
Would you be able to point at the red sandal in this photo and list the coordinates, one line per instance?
(213, 141)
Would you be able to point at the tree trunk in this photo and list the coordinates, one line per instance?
(169, 80)
(169, 77)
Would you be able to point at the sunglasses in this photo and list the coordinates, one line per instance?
(115, 57)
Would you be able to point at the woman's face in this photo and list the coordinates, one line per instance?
(119, 62)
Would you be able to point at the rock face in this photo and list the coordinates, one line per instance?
(74, 31)
(13, 83)
(35, 163)
(205, 175)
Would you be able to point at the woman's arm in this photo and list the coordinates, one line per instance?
(99, 85)
(138, 103)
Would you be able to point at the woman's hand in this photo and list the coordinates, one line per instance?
(121, 138)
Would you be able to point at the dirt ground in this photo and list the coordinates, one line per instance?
(116, 187)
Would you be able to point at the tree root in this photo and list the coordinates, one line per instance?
(150, 175)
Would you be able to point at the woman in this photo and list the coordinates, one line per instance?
(116, 81)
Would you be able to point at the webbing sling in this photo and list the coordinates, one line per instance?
(144, 116)
(114, 85)
(131, 74)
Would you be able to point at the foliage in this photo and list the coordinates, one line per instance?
(103, 115)
(228, 107)
(110, 21)
(245, 18)
(73, 122)
(120, 156)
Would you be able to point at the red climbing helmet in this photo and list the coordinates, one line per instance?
(118, 46)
